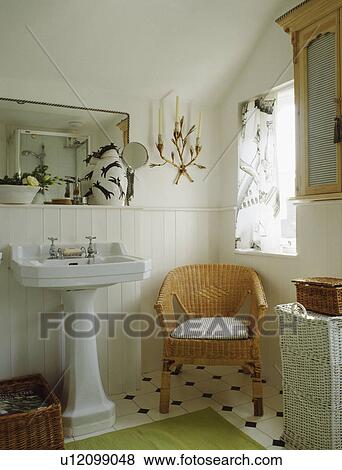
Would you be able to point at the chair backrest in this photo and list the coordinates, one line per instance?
(211, 289)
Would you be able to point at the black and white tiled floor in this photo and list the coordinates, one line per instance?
(226, 389)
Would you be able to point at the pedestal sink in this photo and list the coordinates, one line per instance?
(85, 405)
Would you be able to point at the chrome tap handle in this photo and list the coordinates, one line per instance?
(91, 249)
(53, 252)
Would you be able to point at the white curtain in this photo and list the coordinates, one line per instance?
(258, 190)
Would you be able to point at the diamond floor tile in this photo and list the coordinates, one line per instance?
(231, 398)
(273, 427)
(246, 411)
(201, 387)
(212, 386)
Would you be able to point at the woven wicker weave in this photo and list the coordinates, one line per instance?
(38, 429)
(320, 294)
(209, 291)
(311, 349)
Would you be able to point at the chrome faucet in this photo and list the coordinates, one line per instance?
(60, 253)
(53, 252)
(91, 251)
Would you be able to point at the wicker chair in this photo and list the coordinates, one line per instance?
(214, 290)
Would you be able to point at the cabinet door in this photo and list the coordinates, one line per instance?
(319, 104)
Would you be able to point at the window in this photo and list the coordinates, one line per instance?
(265, 216)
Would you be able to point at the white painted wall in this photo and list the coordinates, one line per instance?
(319, 225)
(154, 187)
(269, 65)
(169, 237)
(175, 234)
(319, 228)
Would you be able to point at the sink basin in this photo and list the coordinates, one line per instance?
(86, 408)
(33, 268)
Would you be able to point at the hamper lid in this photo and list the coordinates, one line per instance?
(320, 281)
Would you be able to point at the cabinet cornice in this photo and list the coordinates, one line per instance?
(306, 13)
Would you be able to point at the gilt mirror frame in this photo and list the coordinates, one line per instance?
(123, 125)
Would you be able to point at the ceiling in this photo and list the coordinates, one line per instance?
(142, 48)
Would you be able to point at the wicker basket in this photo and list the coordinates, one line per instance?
(320, 294)
(311, 353)
(37, 429)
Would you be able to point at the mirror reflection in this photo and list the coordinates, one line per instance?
(135, 155)
(49, 139)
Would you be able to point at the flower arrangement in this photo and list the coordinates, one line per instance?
(38, 178)
(17, 180)
(42, 177)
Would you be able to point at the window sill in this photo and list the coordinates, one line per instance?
(251, 252)
(317, 197)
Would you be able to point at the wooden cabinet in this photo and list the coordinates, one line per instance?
(316, 29)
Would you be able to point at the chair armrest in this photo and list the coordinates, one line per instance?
(164, 302)
(259, 297)
(164, 306)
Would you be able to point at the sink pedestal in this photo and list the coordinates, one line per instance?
(86, 408)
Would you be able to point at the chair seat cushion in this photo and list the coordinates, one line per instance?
(211, 328)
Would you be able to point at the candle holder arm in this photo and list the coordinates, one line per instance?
(180, 142)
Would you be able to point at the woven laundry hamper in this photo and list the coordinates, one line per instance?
(311, 351)
(39, 428)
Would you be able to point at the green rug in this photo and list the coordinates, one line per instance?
(203, 429)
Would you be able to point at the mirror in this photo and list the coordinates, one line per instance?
(135, 155)
(34, 135)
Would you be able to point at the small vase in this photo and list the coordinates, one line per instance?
(109, 180)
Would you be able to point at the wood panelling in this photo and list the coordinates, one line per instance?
(170, 237)
(319, 227)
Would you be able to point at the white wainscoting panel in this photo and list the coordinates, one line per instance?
(319, 247)
(170, 237)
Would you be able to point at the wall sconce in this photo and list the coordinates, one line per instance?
(184, 156)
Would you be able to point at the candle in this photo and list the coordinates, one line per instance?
(177, 108)
(199, 125)
(160, 122)
(162, 118)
